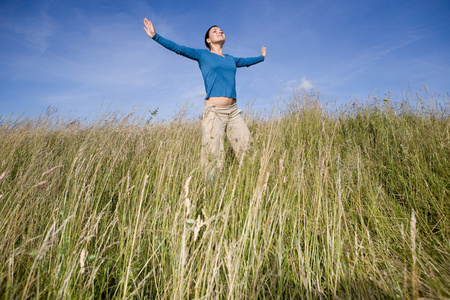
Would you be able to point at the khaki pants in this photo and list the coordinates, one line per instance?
(215, 122)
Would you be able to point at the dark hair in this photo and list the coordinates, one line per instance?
(207, 36)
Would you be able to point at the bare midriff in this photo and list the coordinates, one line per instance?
(220, 101)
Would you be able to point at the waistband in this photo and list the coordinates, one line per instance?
(221, 107)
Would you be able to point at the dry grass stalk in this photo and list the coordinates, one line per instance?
(414, 279)
(82, 260)
(41, 185)
(52, 170)
(187, 201)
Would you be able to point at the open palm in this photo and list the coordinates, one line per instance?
(149, 28)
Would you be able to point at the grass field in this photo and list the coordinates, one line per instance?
(351, 203)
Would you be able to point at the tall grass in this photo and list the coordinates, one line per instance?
(352, 203)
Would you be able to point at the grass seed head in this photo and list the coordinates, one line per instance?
(52, 170)
(41, 185)
(82, 260)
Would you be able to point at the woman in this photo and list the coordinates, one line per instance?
(220, 114)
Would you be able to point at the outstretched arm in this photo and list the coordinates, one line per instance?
(249, 61)
(149, 28)
(179, 49)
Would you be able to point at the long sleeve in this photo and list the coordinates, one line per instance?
(179, 49)
(247, 61)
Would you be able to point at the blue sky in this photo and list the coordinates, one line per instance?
(85, 58)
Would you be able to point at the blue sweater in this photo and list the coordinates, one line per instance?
(219, 73)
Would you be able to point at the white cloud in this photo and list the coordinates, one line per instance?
(304, 84)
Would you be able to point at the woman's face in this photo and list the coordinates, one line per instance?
(216, 36)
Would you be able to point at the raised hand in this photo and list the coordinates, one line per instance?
(149, 29)
(263, 51)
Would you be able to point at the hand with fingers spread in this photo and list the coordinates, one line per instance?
(263, 51)
(149, 29)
